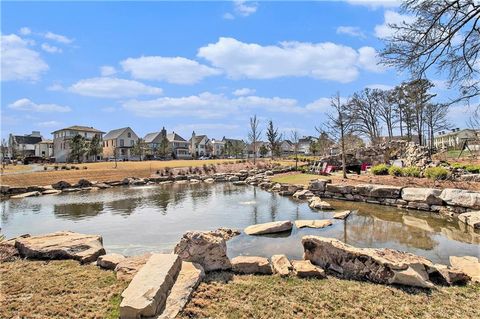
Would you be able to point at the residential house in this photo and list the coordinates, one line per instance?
(198, 145)
(287, 147)
(234, 147)
(62, 138)
(456, 138)
(119, 143)
(216, 147)
(258, 147)
(176, 146)
(304, 144)
(44, 149)
(179, 146)
(23, 145)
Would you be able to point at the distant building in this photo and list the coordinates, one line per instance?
(175, 147)
(179, 146)
(119, 143)
(258, 146)
(23, 145)
(304, 144)
(62, 138)
(234, 147)
(44, 149)
(455, 138)
(216, 147)
(198, 145)
(287, 147)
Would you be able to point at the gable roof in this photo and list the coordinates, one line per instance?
(198, 138)
(232, 140)
(80, 128)
(26, 139)
(150, 137)
(113, 134)
(175, 137)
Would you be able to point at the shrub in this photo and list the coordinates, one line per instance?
(411, 171)
(55, 167)
(458, 165)
(85, 167)
(473, 168)
(395, 171)
(380, 169)
(64, 167)
(45, 168)
(436, 173)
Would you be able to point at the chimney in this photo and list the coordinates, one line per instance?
(35, 134)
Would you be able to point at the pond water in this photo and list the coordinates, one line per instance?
(133, 220)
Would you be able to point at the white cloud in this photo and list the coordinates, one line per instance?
(327, 61)
(369, 60)
(50, 48)
(55, 87)
(25, 31)
(245, 8)
(244, 91)
(380, 86)
(197, 127)
(28, 105)
(107, 70)
(228, 16)
(384, 30)
(352, 31)
(319, 105)
(176, 70)
(49, 124)
(57, 37)
(374, 4)
(108, 87)
(19, 62)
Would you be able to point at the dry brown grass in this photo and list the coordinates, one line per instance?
(58, 289)
(274, 297)
(106, 171)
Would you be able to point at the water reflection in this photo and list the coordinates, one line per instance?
(153, 218)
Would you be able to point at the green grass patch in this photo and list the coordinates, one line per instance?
(295, 178)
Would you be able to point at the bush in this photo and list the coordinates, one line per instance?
(411, 171)
(56, 167)
(458, 165)
(45, 168)
(436, 173)
(85, 167)
(395, 171)
(473, 168)
(380, 169)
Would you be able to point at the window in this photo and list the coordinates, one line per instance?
(122, 143)
(132, 142)
(129, 134)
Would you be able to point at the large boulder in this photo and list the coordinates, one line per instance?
(342, 215)
(317, 185)
(471, 218)
(61, 185)
(305, 269)
(428, 196)
(281, 265)
(251, 265)
(128, 267)
(269, 228)
(460, 197)
(209, 249)
(312, 223)
(303, 194)
(317, 203)
(384, 266)
(468, 264)
(378, 191)
(84, 183)
(109, 261)
(61, 245)
(147, 293)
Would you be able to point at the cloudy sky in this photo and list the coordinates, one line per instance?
(203, 66)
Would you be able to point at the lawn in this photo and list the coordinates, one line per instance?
(295, 178)
(58, 289)
(225, 296)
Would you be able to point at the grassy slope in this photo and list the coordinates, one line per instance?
(274, 297)
(295, 178)
(58, 289)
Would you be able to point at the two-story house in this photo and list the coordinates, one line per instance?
(161, 144)
(23, 145)
(119, 143)
(304, 144)
(234, 148)
(198, 145)
(216, 148)
(287, 147)
(62, 138)
(179, 146)
(44, 149)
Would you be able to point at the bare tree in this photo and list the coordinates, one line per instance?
(363, 107)
(436, 119)
(294, 137)
(254, 135)
(387, 110)
(340, 123)
(442, 35)
(273, 138)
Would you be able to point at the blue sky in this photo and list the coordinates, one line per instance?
(207, 66)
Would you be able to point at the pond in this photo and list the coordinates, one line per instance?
(133, 220)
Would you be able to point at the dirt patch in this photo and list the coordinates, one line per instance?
(58, 289)
(224, 296)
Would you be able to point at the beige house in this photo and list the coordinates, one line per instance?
(177, 146)
(23, 145)
(62, 138)
(198, 145)
(216, 147)
(44, 149)
(119, 143)
(455, 138)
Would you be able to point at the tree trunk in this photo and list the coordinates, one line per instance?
(344, 165)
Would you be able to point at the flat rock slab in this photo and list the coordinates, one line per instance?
(430, 196)
(127, 268)
(312, 223)
(303, 194)
(305, 269)
(251, 265)
(61, 245)
(268, 228)
(342, 215)
(147, 293)
(281, 265)
(460, 197)
(51, 192)
(468, 264)
(109, 261)
(25, 195)
(471, 218)
(187, 281)
(317, 203)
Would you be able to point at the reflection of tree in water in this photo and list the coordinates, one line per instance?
(372, 230)
(77, 211)
(255, 207)
(274, 206)
(4, 212)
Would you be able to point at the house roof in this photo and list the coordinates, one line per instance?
(46, 142)
(198, 138)
(232, 140)
(175, 137)
(80, 128)
(113, 134)
(150, 137)
(26, 139)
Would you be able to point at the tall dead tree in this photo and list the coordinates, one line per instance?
(363, 107)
